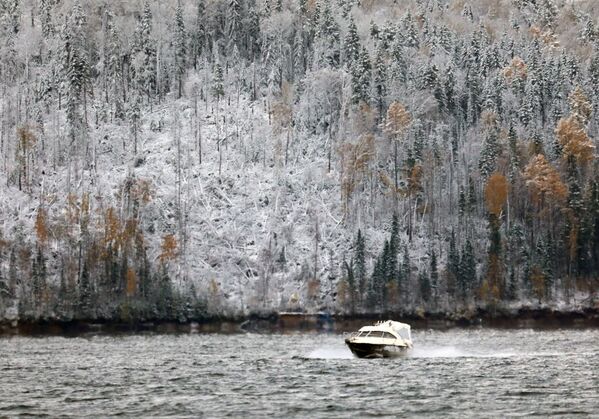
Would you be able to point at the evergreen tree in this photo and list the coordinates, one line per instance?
(113, 70)
(234, 23)
(85, 306)
(380, 80)
(434, 281)
(425, 287)
(198, 34)
(39, 275)
(488, 157)
(45, 14)
(144, 55)
(361, 78)
(360, 263)
(252, 31)
(410, 32)
(453, 260)
(218, 87)
(351, 44)
(351, 283)
(76, 72)
(467, 278)
(328, 35)
(179, 41)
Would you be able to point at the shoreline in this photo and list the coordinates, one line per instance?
(524, 318)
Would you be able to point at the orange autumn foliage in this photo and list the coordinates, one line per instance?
(169, 248)
(496, 193)
(574, 139)
(544, 179)
(580, 104)
(131, 280)
(41, 229)
(516, 70)
(398, 119)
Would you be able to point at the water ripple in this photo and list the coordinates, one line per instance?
(456, 373)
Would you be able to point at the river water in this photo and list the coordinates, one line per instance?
(456, 373)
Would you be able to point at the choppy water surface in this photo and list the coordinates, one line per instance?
(458, 373)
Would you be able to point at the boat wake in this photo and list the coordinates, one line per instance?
(330, 353)
(438, 352)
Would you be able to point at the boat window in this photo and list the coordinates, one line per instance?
(387, 335)
(376, 334)
(404, 333)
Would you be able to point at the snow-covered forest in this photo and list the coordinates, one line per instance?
(194, 158)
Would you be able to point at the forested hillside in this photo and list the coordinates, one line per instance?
(177, 160)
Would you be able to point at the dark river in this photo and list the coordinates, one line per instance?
(457, 373)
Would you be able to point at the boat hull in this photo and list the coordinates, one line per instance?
(369, 350)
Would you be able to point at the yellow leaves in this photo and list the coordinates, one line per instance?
(142, 190)
(131, 282)
(489, 119)
(580, 104)
(546, 36)
(168, 248)
(537, 280)
(313, 289)
(516, 70)
(213, 288)
(415, 179)
(343, 294)
(112, 227)
(41, 230)
(544, 179)
(282, 116)
(355, 162)
(574, 140)
(496, 193)
(398, 119)
(26, 138)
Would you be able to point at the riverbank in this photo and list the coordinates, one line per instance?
(318, 322)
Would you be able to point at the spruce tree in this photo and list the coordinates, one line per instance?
(45, 15)
(467, 277)
(328, 35)
(360, 263)
(234, 23)
(198, 34)
(434, 282)
(179, 41)
(76, 72)
(380, 80)
(361, 78)
(453, 260)
(488, 157)
(218, 87)
(144, 55)
(351, 44)
(425, 287)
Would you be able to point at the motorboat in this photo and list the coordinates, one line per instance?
(382, 340)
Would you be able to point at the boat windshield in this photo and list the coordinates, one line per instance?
(404, 333)
(376, 334)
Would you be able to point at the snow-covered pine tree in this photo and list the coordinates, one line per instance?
(218, 86)
(45, 16)
(144, 55)
(76, 74)
(234, 23)
(179, 42)
(113, 77)
(361, 78)
(198, 33)
(360, 263)
(351, 44)
(380, 80)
